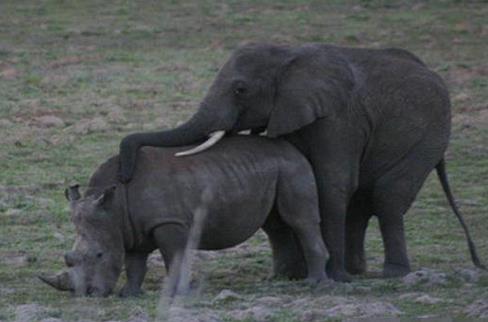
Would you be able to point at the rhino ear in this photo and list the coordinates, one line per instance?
(72, 193)
(106, 195)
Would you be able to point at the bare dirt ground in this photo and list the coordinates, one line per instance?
(75, 77)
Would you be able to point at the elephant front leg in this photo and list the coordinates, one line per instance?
(136, 268)
(334, 150)
(334, 195)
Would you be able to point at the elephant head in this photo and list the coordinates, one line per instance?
(277, 88)
(261, 86)
(96, 260)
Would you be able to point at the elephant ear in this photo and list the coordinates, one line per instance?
(308, 88)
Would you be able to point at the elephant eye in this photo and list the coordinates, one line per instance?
(99, 255)
(240, 90)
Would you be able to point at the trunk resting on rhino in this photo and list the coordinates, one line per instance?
(194, 130)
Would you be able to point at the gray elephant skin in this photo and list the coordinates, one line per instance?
(373, 123)
(249, 182)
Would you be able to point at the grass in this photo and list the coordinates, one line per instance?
(145, 65)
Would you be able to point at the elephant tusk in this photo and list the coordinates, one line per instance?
(212, 139)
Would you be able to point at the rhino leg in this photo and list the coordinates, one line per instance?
(171, 240)
(135, 268)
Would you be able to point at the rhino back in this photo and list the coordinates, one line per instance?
(239, 173)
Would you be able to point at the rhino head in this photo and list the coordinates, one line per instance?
(95, 262)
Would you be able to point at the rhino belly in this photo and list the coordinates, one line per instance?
(231, 223)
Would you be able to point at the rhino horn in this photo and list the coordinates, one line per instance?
(61, 281)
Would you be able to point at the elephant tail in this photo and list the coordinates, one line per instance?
(442, 174)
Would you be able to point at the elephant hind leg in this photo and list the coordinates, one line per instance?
(390, 218)
(393, 195)
(357, 220)
(288, 259)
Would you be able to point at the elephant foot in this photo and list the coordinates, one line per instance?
(325, 286)
(316, 279)
(127, 291)
(356, 266)
(337, 272)
(395, 270)
(291, 274)
(340, 276)
(295, 271)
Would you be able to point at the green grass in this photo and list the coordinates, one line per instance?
(151, 62)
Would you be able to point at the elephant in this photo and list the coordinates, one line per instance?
(373, 123)
(243, 184)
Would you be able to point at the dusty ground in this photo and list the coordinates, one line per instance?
(76, 76)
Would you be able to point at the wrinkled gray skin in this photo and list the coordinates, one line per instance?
(373, 124)
(250, 181)
(97, 256)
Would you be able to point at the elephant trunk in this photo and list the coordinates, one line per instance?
(208, 119)
(195, 129)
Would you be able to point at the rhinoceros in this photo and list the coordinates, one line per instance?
(244, 183)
